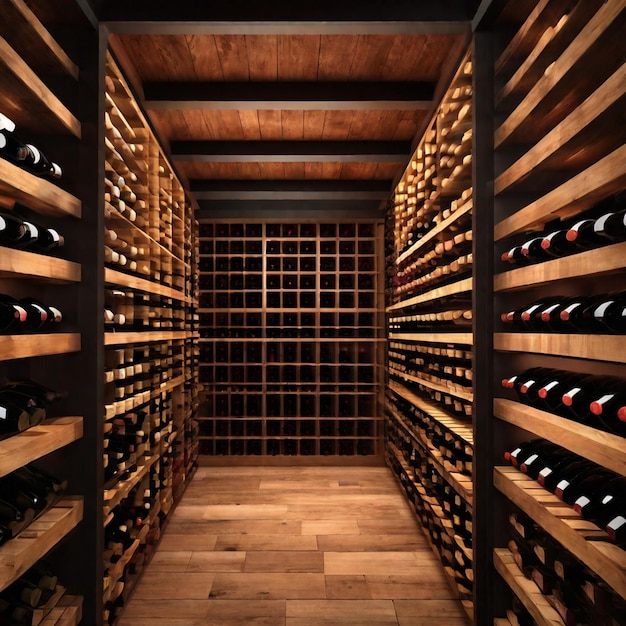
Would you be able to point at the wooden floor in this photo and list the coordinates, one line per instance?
(302, 546)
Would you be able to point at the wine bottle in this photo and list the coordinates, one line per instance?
(14, 418)
(12, 314)
(550, 472)
(556, 244)
(48, 239)
(612, 226)
(610, 407)
(574, 484)
(577, 315)
(13, 231)
(533, 249)
(520, 453)
(609, 315)
(577, 399)
(583, 235)
(550, 394)
(600, 503)
(39, 315)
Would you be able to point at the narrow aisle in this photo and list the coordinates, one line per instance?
(293, 546)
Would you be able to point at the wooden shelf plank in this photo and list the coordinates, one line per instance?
(67, 612)
(607, 560)
(462, 484)
(461, 428)
(548, 83)
(578, 128)
(117, 338)
(38, 441)
(599, 261)
(433, 232)
(29, 95)
(37, 193)
(603, 178)
(525, 589)
(24, 346)
(461, 286)
(596, 445)
(595, 347)
(528, 35)
(40, 50)
(22, 264)
(134, 282)
(32, 544)
(466, 339)
(453, 391)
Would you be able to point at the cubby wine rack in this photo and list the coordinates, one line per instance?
(291, 325)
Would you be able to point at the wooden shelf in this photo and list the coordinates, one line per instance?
(576, 194)
(528, 35)
(133, 282)
(549, 87)
(607, 560)
(525, 589)
(31, 104)
(461, 286)
(113, 496)
(453, 391)
(577, 131)
(599, 261)
(118, 338)
(34, 43)
(37, 193)
(67, 612)
(461, 483)
(32, 444)
(596, 445)
(460, 428)
(466, 339)
(433, 232)
(594, 347)
(24, 265)
(33, 543)
(24, 346)
(125, 226)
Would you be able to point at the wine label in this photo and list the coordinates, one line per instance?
(616, 523)
(600, 224)
(600, 311)
(581, 502)
(3, 413)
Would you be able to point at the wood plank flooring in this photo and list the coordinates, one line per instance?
(293, 546)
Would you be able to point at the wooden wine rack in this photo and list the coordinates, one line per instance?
(296, 328)
(552, 71)
(147, 209)
(435, 189)
(29, 56)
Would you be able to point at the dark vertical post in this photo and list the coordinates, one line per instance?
(482, 224)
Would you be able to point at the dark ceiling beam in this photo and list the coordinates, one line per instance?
(288, 209)
(355, 17)
(290, 189)
(290, 151)
(289, 95)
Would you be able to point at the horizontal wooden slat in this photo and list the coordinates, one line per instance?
(134, 282)
(24, 346)
(22, 264)
(585, 40)
(433, 232)
(578, 129)
(461, 286)
(68, 612)
(607, 560)
(17, 555)
(579, 192)
(29, 93)
(461, 428)
(466, 339)
(118, 338)
(525, 589)
(456, 391)
(599, 261)
(36, 193)
(40, 50)
(596, 445)
(38, 441)
(595, 347)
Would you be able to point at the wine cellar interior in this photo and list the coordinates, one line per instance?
(310, 244)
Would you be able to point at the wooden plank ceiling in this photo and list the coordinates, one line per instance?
(298, 109)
